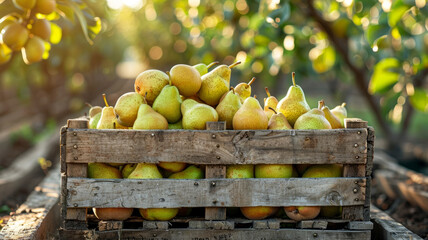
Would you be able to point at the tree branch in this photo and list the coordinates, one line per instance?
(359, 74)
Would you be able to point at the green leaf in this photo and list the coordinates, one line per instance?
(5, 209)
(56, 33)
(256, 21)
(386, 73)
(376, 31)
(261, 40)
(82, 20)
(95, 29)
(396, 13)
(66, 12)
(325, 61)
(283, 13)
(419, 100)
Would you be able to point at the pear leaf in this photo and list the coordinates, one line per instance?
(56, 33)
(419, 100)
(395, 15)
(386, 73)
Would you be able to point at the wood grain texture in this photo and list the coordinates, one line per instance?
(109, 225)
(215, 171)
(215, 234)
(312, 224)
(218, 147)
(360, 225)
(171, 193)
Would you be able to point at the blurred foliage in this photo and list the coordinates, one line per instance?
(387, 40)
(27, 133)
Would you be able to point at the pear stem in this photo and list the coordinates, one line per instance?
(234, 64)
(88, 104)
(105, 100)
(273, 110)
(343, 104)
(251, 81)
(212, 64)
(233, 89)
(321, 104)
(267, 91)
(255, 96)
(293, 75)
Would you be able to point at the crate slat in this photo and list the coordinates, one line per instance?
(171, 193)
(346, 146)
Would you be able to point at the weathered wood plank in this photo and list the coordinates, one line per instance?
(109, 225)
(218, 147)
(161, 225)
(387, 228)
(171, 193)
(38, 217)
(360, 225)
(220, 225)
(312, 224)
(215, 234)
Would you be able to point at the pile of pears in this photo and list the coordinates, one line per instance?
(187, 97)
(27, 31)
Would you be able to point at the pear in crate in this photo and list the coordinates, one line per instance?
(128, 169)
(215, 84)
(107, 117)
(150, 171)
(314, 119)
(333, 120)
(196, 115)
(250, 116)
(186, 78)
(294, 104)
(227, 108)
(126, 108)
(270, 103)
(168, 104)
(150, 83)
(278, 122)
(147, 118)
(172, 166)
(203, 68)
(191, 172)
(341, 113)
(177, 125)
(101, 170)
(243, 90)
(240, 171)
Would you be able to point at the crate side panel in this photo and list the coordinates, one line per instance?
(346, 146)
(170, 193)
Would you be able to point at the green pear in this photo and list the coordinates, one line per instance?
(177, 125)
(333, 120)
(145, 171)
(270, 103)
(243, 90)
(150, 83)
(250, 116)
(196, 115)
(215, 84)
(186, 78)
(102, 170)
(147, 118)
(314, 119)
(294, 104)
(278, 122)
(126, 108)
(94, 110)
(323, 170)
(227, 108)
(172, 166)
(191, 172)
(273, 171)
(93, 121)
(128, 169)
(158, 214)
(168, 103)
(331, 211)
(341, 113)
(203, 68)
(240, 171)
(107, 117)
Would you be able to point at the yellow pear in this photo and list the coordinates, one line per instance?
(173, 166)
(250, 116)
(41, 28)
(147, 118)
(150, 83)
(333, 120)
(14, 35)
(33, 50)
(278, 122)
(168, 103)
(126, 108)
(202, 68)
(243, 90)
(45, 6)
(314, 119)
(270, 103)
(196, 115)
(227, 108)
(186, 78)
(294, 104)
(341, 113)
(215, 84)
(24, 4)
(107, 117)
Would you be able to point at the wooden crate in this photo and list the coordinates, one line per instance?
(216, 148)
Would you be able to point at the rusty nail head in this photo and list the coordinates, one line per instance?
(218, 157)
(359, 132)
(356, 199)
(218, 145)
(196, 184)
(307, 139)
(213, 136)
(315, 235)
(355, 190)
(356, 182)
(75, 146)
(75, 134)
(75, 158)
(152, 134)
(213, 184)
(75, 205)
(356, 157)
(355, 145)
(154, 234)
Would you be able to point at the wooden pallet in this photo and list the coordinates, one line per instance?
(216, 148)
